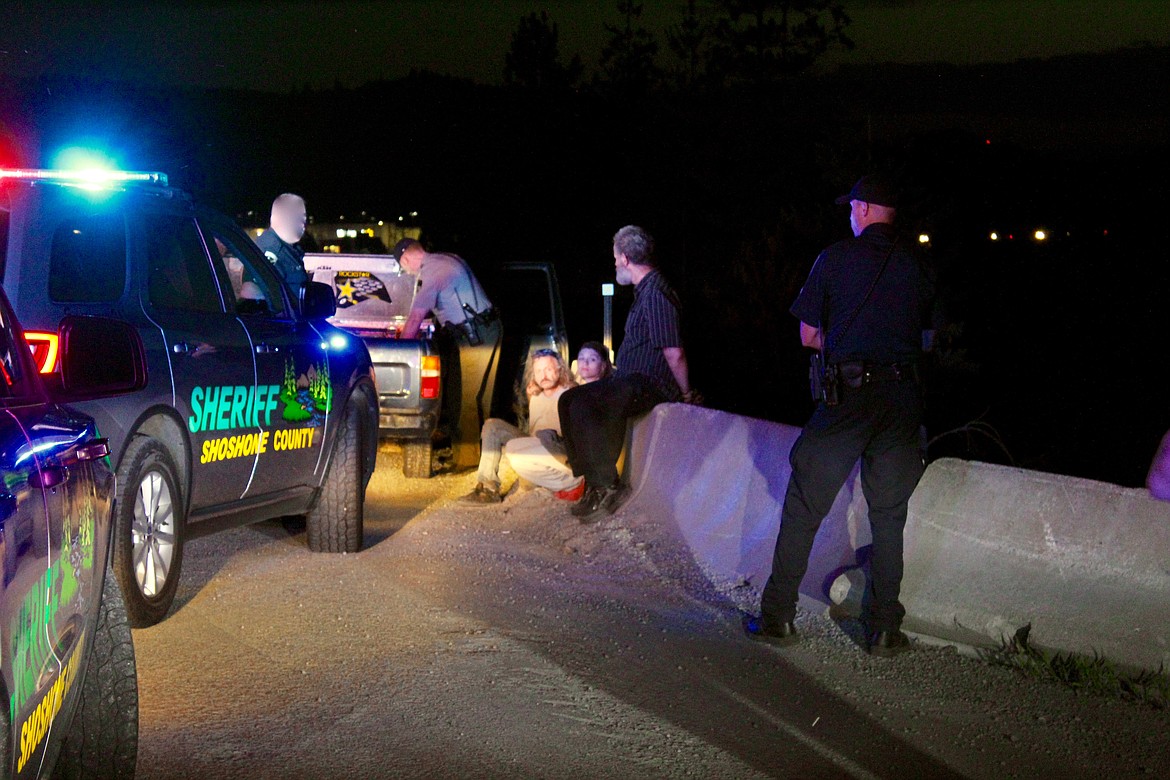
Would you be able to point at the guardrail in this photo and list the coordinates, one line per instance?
(989, 548)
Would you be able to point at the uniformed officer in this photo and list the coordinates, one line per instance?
(864, 304)
(469, 337)
(279, 241)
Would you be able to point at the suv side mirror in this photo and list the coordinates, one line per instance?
(317, 301)
(99, 357)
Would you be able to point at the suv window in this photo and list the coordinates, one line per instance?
(180, 278)
(253, 291)
(87, 263)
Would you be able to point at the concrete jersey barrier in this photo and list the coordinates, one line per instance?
(989, 548)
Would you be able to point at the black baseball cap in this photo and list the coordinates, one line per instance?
(873, 189)
(402, 246)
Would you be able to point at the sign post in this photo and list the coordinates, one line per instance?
(607, 316)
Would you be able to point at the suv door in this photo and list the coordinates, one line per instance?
(47, 514)
(210, 354)
(289, 357)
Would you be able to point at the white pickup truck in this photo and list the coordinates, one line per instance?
(374, 297)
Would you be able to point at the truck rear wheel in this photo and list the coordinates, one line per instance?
(102, 741)
(416, 459)
(335, 522)
(148, 531)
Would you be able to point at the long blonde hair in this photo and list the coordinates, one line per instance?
(564, 376)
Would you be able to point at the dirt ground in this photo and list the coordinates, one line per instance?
(512, 641)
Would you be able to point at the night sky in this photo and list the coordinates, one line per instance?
(279, 45)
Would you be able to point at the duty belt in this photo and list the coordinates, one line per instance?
(855, 373)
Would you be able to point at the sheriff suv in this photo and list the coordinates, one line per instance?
(256, 407)
(68, 673)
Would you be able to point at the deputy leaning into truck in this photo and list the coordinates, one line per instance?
(469, 336)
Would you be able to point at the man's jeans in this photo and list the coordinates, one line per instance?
(496, 433)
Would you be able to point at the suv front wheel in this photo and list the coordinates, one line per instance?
(148, 531)
(335, 522)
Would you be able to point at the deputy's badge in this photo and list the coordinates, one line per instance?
(270, 255)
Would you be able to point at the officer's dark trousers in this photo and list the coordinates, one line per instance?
(469, 379)
(593, 422)
(878, 423)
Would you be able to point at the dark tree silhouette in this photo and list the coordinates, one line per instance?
(533, 60)
(759, 41)
(627, 60)
(688, 40)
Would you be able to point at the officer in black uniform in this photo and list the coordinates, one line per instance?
(279, 241)
(864, 304)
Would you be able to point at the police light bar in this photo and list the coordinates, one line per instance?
(95, 176)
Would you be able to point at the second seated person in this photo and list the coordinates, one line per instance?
(652, 370)
(468, 339)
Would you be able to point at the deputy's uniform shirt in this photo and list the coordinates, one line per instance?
(287, 259)
(652, 326)
(888, 327)
(444, 284)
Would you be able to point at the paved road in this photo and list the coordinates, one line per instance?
(513, 642)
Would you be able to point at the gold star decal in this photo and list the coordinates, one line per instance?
(345, 292)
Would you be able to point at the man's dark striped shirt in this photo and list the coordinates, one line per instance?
(652, 325)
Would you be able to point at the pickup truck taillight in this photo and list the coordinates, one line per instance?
(44, 348)
(429, 374)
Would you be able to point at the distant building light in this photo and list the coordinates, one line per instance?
(1040, 235)
(400, 219)
(351, 233)
(994, 236)
(369, 232)
(381, 223)
(341, 232)
(923, 238)
(414, 213)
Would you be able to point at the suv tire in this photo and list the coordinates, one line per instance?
(149, 526)
(335, 522)
(416, 459)
(102, 741)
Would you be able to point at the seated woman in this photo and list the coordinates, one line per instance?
(545, 377)
(593, 362)
(541, 459)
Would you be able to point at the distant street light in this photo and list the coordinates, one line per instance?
(1040, 235)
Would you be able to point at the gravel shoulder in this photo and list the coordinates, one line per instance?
(512, 641)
